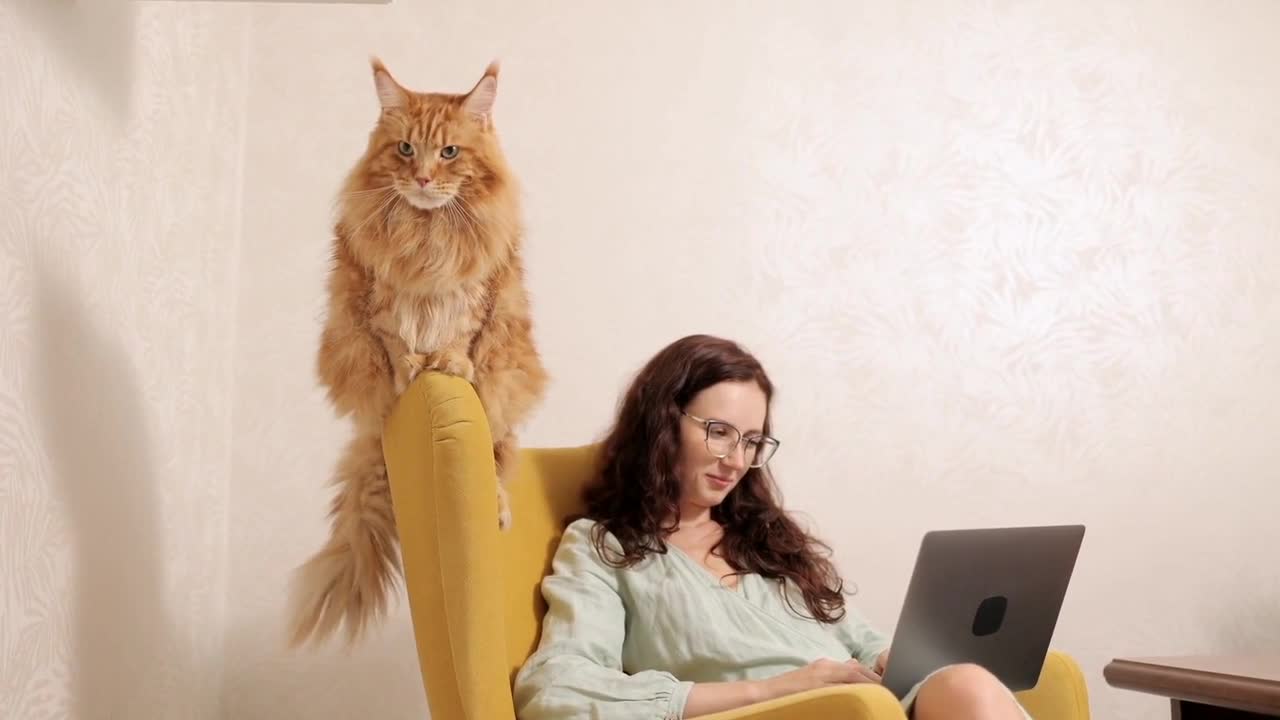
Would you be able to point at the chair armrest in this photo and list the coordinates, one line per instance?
(440, 468)
(844, 702)
(1061, 693)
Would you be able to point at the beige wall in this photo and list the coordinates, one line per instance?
(1010, 264)
(120, 127)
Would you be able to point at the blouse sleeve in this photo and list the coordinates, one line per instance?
(865, 643)
(576, 672)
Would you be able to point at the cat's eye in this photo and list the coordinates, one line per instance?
(405, 149)
(449, 152)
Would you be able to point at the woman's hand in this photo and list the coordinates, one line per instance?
(882, 661)
(819, 673)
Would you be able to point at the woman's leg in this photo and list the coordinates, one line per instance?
(965, 692)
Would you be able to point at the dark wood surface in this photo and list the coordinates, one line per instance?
(1205, 686)
(1183, 710)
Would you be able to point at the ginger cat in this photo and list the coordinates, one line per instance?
(427, 274)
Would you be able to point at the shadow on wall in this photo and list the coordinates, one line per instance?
(95, 435)
(93, 39)
(378, 678)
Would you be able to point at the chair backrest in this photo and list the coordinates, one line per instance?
(547, 491)
(474, 592)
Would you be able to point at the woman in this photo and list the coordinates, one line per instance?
(666, 601)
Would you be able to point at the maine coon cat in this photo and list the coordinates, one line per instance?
(426, 274)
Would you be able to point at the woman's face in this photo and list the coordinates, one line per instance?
(737, 408)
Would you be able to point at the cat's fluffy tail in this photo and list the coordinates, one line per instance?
(350, 579)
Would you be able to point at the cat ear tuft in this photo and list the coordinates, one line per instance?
(390, 94)
(479, 102)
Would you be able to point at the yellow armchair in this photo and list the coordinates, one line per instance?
(474, 594)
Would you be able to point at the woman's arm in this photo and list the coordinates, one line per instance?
(707, 698)
(576, 672)
(865, 643)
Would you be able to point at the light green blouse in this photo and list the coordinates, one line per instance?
(628, 644)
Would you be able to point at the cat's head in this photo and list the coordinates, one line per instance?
(434, 148)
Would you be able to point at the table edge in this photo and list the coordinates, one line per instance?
(1171, 682)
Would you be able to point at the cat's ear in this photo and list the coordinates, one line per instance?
(390, 94)
(479, 102)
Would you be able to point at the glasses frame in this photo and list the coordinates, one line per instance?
(706, 440)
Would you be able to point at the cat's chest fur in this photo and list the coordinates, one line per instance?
(429, 322)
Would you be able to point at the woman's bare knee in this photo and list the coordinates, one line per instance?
(964, 691)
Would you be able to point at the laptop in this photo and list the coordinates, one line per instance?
(987, 596)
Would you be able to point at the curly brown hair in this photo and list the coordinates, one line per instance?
(636, 493)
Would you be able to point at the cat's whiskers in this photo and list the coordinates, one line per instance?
(456, 217)
(386, 217)
(466, 209)
(499, 221)
(379, 209)
(366, 191)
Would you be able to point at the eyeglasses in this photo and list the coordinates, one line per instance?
(723, 438)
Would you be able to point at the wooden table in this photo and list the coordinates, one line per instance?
(1205, 687)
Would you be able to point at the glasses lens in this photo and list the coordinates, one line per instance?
(759, 450)
(721, 438)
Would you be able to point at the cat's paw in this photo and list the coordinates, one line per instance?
(504, 509)
(453, 363)
(410, 366)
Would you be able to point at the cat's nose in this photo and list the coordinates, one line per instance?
(424, 181)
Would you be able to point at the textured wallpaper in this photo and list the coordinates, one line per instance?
(119, 225)
(1008, 263)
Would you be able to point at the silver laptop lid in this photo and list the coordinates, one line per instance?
(988, 596)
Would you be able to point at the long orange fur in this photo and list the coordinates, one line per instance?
(426, 274)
